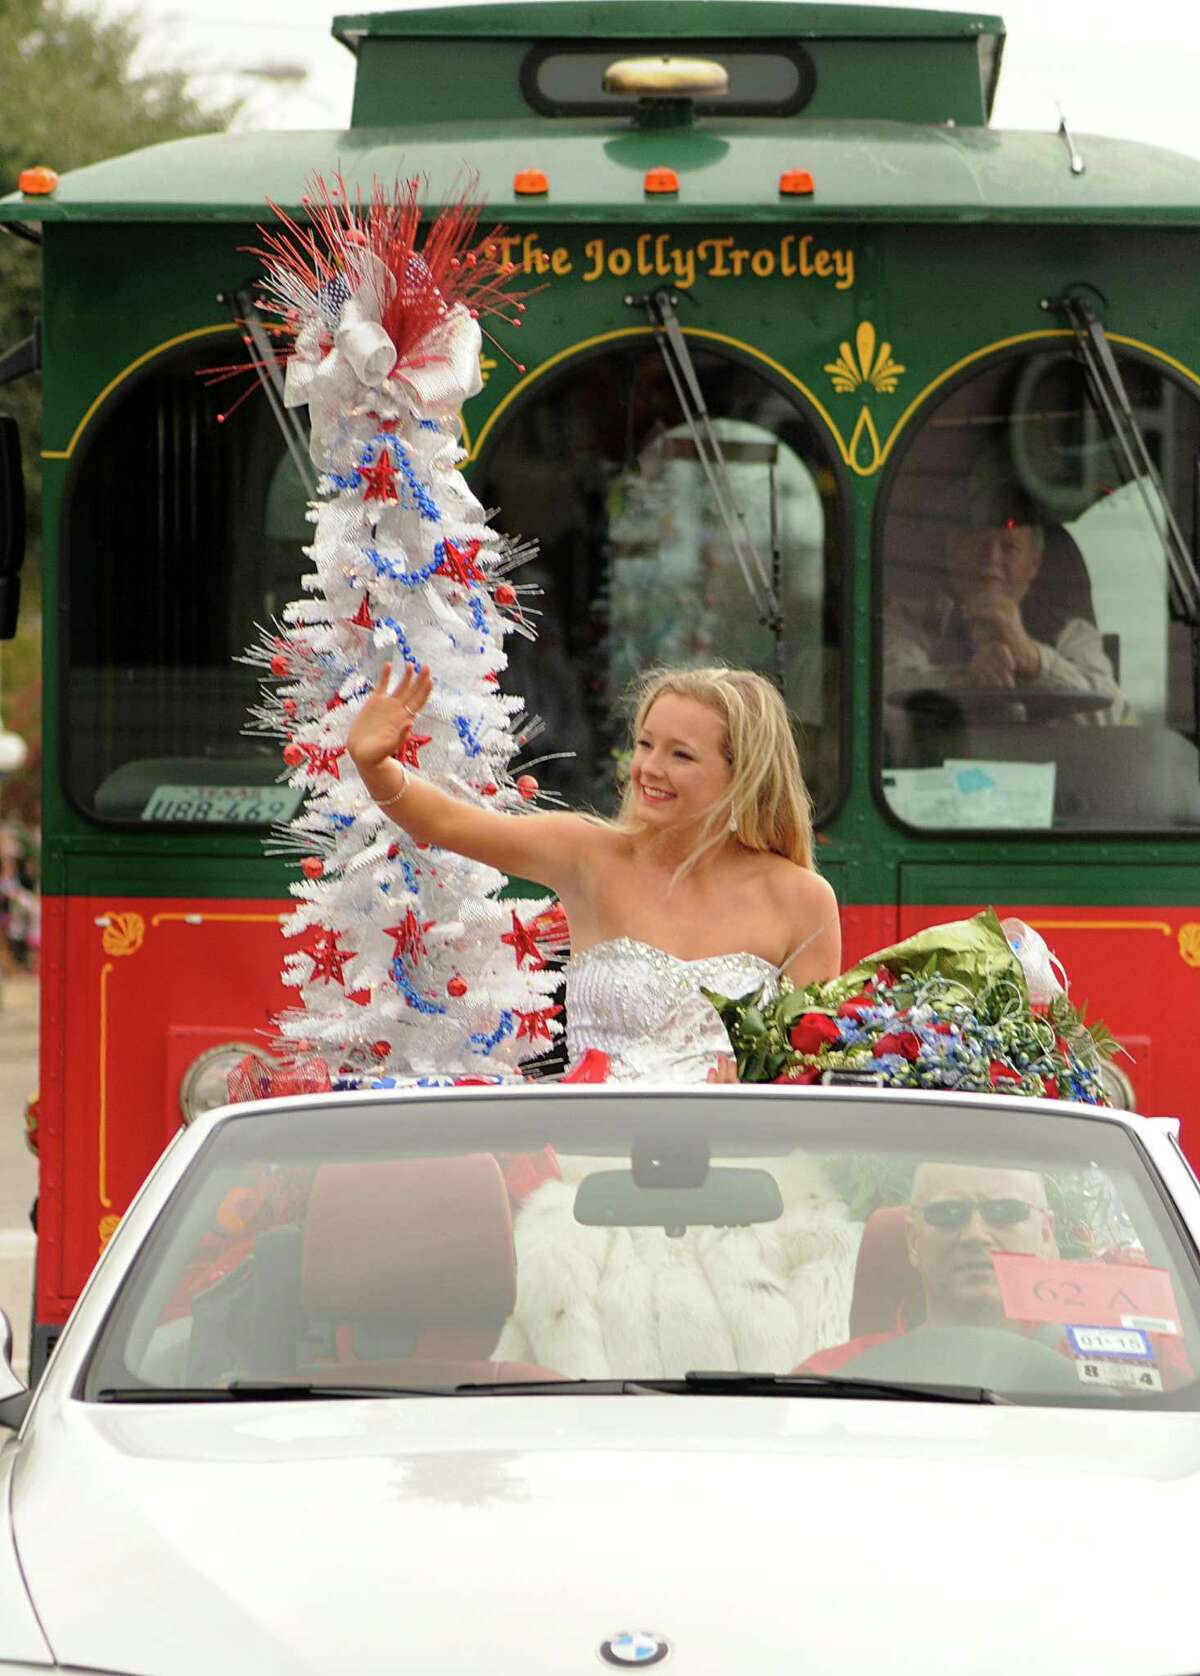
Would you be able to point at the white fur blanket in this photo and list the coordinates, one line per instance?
(596, 1303)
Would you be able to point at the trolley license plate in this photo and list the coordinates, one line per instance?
(223, 805)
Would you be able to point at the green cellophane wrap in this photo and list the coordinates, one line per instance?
(972, 952)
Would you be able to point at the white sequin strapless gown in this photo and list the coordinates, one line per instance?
(645, 1008)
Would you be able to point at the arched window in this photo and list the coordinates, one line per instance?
(1036, 658)
(179, 535)
(636, 565)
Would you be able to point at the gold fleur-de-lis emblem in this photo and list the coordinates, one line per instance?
(1189, 943)
(123, 934)
(106, 1229)
(864, 362)
(487, 367)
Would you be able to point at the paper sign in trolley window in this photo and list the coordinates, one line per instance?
(974, 794)
(223, 805)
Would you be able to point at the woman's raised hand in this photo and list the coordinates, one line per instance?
(386, 719)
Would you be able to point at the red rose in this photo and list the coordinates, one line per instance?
(1000, 1072)
(943, 1027)
(1063, 1047)
(801, 1073)
(883, 978)
(813, 1031)
(856, 1005)
(905, 1042)
(1051, 1084)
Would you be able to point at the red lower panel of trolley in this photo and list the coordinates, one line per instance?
(135, 990)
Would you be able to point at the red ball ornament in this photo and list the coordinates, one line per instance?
(293, 755)
(312, 867)
(527, 786)
(489, 790)
(381, 1049)
(280, 664)
(506, 594)
(393, 850)
(456, 987)
(289, 706)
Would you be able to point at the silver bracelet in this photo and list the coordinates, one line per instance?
(385, 802)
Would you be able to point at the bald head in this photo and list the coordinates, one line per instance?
(930, 1180)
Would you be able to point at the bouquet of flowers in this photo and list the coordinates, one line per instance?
(947, 1008)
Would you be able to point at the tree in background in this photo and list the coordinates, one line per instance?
(67, 97)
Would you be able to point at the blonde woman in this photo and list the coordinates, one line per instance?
(705, 879)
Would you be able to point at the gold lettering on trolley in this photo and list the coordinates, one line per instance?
(662, 256)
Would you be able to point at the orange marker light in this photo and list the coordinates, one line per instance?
(796, 183)
(660, 180)
(38, 181)
(530, 183)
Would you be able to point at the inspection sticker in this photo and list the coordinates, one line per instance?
(1124, 1343)
(1133, 1376)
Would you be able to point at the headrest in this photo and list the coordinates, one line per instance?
(417, 1243)
(886, 1286)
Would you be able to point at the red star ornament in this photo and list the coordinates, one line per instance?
(523, 944)
(410, 752)
(458, 563)
(380, 479)
(409, 936)
(362, 618)
(323, 760)
(329, 960)
(535, 1024)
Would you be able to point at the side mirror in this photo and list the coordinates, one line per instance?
(12, 525)
(14, 1397)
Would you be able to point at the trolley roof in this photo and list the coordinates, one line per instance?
(895, 128)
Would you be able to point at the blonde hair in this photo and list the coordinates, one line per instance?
(767, 798)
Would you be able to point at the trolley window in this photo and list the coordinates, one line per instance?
(1037, 667)
(635, 561)
(180, 533)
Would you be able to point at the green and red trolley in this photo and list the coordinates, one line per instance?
(803, 310)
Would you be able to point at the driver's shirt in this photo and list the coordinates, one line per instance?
(919, 654)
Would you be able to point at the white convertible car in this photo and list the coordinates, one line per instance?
(730, 1380)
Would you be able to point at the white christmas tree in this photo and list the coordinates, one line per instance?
(410, 964)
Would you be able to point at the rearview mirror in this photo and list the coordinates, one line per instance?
(733, 1198)
(12, 525)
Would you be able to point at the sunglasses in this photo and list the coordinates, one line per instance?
(956, 1213)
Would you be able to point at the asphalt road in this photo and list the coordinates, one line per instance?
(18, 1168)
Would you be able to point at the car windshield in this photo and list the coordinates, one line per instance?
(430, 1243)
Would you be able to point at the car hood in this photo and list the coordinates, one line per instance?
(517, 1534)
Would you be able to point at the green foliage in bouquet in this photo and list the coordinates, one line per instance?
(948, 1008)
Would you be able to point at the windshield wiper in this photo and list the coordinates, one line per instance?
(257, 1390)
(719, 1384)
(837, 1385)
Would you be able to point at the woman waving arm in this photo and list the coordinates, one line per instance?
(545, 848)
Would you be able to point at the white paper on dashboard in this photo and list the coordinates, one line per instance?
(972, 793)
(1017, 794)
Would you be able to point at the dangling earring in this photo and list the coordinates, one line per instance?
(732, 821)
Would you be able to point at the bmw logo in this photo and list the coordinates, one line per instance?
(634, 1647)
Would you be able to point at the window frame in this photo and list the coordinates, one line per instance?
(914, 428)
(845, 545)
(623, 105)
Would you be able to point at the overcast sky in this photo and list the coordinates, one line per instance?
(1115, 68)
